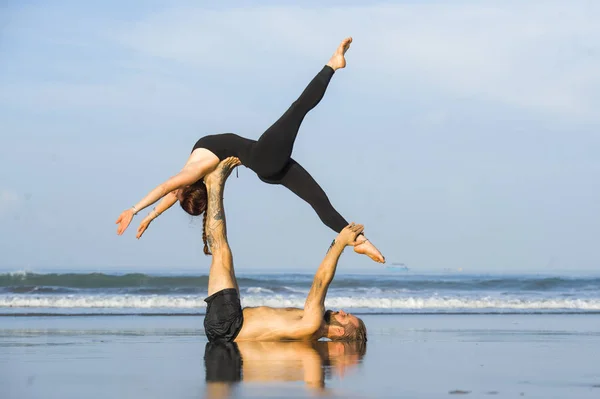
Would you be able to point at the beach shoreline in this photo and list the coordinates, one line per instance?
(406, 356)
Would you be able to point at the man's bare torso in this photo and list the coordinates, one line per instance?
(263, 323)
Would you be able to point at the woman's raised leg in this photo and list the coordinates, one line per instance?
(301, 183)
(274, 147)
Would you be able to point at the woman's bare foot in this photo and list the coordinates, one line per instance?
(366, 248)
(338, 60)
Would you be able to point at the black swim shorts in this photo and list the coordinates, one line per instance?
(224, 317)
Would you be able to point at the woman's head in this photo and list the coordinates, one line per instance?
(193, 200)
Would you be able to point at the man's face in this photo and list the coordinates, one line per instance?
(340, 318)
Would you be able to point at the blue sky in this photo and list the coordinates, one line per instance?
(463, 134)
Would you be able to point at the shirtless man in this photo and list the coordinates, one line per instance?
(225, 320)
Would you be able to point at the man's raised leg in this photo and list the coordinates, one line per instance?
(224, 315)
(222, 273)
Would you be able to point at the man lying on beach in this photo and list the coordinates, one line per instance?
(225, 319)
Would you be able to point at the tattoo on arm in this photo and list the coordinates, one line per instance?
(216, 229)
(331, 246)
(215, 219)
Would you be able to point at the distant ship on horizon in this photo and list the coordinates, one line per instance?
(398, 267)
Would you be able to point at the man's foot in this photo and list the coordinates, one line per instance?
(222, 171)
(366, 248)
(338, 60)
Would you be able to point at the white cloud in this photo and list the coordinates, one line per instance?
(537, 56)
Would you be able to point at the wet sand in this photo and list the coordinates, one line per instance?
(429, 356)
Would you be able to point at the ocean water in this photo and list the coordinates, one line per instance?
(429, 336)
(26, 293)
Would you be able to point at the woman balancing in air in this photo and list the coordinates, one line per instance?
(269, 157)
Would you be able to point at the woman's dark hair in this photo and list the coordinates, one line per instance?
(193, 200)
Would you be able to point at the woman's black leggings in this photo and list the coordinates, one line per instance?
(271, 158)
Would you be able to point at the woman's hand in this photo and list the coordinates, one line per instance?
(143, 226)
(124, 220)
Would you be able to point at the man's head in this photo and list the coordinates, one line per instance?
(341, 326)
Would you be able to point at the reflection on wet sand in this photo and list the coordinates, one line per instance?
(267, 362)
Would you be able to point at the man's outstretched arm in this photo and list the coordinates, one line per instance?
(314, 306)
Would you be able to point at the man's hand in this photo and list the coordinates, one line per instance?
(348, 235)
(222, 172)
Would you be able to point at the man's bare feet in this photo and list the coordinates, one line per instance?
(222, 171)
(338, 60)
(366, 248)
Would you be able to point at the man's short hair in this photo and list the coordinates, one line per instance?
(360, 332)
(351, 332)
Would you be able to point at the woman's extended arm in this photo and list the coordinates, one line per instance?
(167, 202)
(190, 174)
